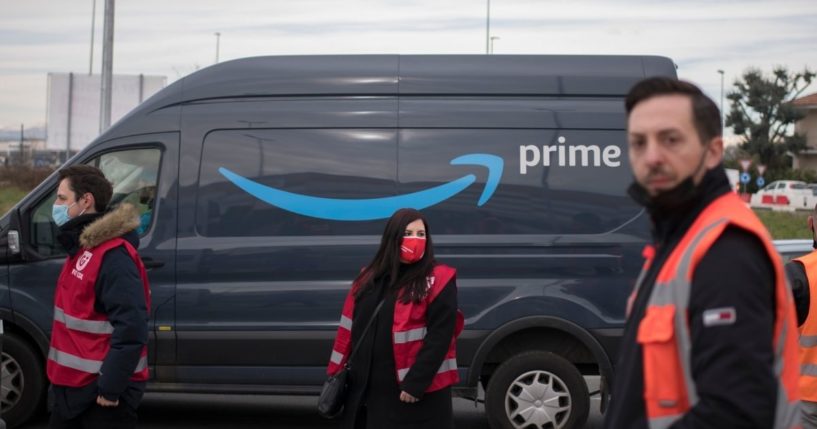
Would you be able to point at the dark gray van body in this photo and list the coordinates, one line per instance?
(247, 285)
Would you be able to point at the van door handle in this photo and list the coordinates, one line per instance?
(150, 263)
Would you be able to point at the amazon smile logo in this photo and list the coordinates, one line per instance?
(373, 208)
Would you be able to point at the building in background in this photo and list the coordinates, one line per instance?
(33, 153)
(807, 158)
(73, 106)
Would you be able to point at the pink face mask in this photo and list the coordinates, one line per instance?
(412, 249)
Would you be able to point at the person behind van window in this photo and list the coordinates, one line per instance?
(97, 361)
(802, 274)
(401, 375)
(710, 338)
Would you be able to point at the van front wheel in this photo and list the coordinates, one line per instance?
(23, 382)
(537, 390)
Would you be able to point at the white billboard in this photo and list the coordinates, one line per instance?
(73, 105)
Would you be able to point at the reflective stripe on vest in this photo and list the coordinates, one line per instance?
(669, 389)
(87, 365)
(447, 365)
(336, 358)
(415, 334)
(808, 341)
(345, 323)
(77, 324)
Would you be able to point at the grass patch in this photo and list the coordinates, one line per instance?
(785, 224)
(9, 195)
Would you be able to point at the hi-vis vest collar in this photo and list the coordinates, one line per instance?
(669, 389)
(408, 330)
(80, 336)
(808, 333)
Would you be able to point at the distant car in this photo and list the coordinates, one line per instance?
(790, 249)
(789, 194)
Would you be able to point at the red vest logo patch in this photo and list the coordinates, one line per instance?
(83, 260)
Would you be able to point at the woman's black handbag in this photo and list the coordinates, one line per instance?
(333, 392)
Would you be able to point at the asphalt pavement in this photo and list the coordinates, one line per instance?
(189, 411)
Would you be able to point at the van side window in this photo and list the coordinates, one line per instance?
(333, 164)
(552, 181)
(134, 175)
(43, 230)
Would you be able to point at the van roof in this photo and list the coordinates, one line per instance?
(557, 75)
(405, 75)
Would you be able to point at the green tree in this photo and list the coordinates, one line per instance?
(761, 112)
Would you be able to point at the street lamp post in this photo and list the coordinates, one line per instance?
(106, 90)
(218, 39)
(93, 22)
(492, 43)
(723, 123)
(488, 29)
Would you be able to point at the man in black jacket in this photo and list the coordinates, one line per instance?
(106, 392)
(675, 151)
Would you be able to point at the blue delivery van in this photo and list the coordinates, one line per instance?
(264, 184)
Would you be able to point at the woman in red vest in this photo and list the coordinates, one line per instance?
(402, 372)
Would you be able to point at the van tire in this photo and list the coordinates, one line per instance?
(23, 374)
(554, 383)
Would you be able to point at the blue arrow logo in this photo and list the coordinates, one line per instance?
(373, 208)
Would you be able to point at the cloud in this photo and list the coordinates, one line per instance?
(174, 38)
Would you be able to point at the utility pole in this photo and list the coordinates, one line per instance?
(218, 40)
(107, 68)
(22, 138)
(488, 29)
(492, 43)
(723, 111)
(93, 23)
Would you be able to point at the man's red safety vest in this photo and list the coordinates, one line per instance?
(80, 336)
(669, 389)
(808, 333)
(408, 330)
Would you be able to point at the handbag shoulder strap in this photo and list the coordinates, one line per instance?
(365, 330)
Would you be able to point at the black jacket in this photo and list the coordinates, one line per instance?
(731, 364)
(798, 280)
(119, 295)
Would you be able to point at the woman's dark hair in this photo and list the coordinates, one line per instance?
(385, 266)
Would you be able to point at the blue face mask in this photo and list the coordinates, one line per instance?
(59, 212)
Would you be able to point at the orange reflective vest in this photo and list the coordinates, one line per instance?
(80, 336)
(663, 333)
(408, 331)
(808, 333)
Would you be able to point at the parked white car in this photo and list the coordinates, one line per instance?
(784, 195)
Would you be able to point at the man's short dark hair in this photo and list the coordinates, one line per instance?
(705, 113)
(83, 179)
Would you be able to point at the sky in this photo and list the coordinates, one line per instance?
(176, 37)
